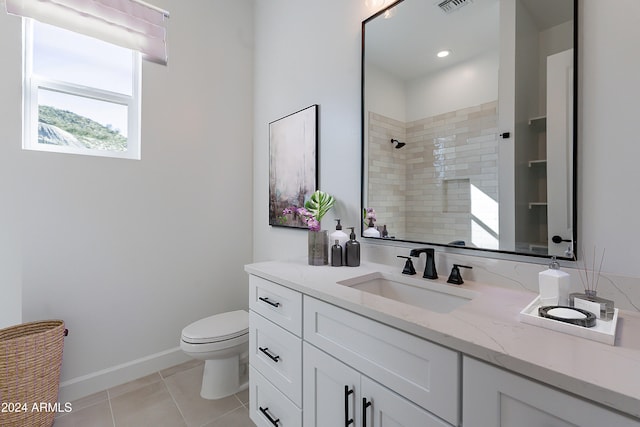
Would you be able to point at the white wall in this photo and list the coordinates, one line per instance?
(385, 94)
(129, 252)
(610, 92)
(10, 116)
(308, 52)
(469, 83)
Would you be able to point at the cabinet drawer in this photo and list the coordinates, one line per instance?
(277, 354)
(281, 305)
(419, 370)
(267, 404)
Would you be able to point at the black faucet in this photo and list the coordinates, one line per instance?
(430, 264)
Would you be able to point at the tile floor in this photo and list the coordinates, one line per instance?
(169, 398)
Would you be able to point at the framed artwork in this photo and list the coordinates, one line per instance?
(293, 164)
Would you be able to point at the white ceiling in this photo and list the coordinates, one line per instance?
(406, 44)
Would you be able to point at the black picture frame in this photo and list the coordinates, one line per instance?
(293, 164)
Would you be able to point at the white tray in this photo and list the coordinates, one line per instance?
(603, 331)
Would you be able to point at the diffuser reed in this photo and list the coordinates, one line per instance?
(589, 300)
(590, 281)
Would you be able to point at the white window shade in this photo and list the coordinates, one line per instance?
(128, 23)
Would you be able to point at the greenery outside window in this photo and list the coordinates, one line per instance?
(81, 95)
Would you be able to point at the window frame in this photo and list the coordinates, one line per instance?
(32, 83)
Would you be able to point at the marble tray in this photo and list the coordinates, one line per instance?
(604, 332)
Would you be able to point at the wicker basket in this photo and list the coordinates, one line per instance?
(30, 360)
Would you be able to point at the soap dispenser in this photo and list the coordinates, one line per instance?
(371, 230)
(336, 254)
(554, 285)
(352, 249)
(341, 237)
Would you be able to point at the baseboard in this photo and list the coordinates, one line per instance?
(94, 382)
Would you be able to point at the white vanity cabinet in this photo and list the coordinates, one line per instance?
(275, 354)
(338, 395)
(319, 359)
(421, 372)
(495, 397)
(397, 378)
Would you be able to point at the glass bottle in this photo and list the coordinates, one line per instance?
(591, 302)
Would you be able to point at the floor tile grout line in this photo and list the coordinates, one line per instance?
(175, 402)
(239, 400)
(113, 416)
(224, 415)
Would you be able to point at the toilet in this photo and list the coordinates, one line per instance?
(222, 341)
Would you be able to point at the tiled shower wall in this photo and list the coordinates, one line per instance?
(447, 159)
(387, 173)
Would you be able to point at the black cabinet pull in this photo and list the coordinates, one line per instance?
(365, 405)
(265, 350)
(266, 413)
(347, 420)
(268, 301)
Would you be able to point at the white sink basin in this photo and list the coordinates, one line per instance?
(413, 290)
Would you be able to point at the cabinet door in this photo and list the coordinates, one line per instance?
(420, 371)
(388, 409)
(494, 397)
(331, 394)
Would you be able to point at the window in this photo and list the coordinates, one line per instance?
(81, 95)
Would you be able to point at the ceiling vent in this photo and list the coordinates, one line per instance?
(449, 6)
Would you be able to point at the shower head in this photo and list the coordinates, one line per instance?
(397, 144)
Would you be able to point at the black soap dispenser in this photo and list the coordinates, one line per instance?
(336, 254)
(352, 248)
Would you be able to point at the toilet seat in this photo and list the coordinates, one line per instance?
(220, 327)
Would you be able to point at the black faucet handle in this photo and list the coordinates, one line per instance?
(455, 277)
(408, 266)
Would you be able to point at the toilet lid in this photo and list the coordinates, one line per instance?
(223, 326)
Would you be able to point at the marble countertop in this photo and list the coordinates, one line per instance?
(488, 328)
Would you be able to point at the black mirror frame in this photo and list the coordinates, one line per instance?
(478, 251)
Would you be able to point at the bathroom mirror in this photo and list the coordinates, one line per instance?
(476, 148)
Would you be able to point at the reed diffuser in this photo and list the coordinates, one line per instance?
(589, 300)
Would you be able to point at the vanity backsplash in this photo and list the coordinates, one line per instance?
(624, 291)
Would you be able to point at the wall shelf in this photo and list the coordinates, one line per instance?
(537, 162)
(539, 248)
(538, 123)
(532, 204)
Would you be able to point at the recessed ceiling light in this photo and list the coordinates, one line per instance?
(443, 53)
